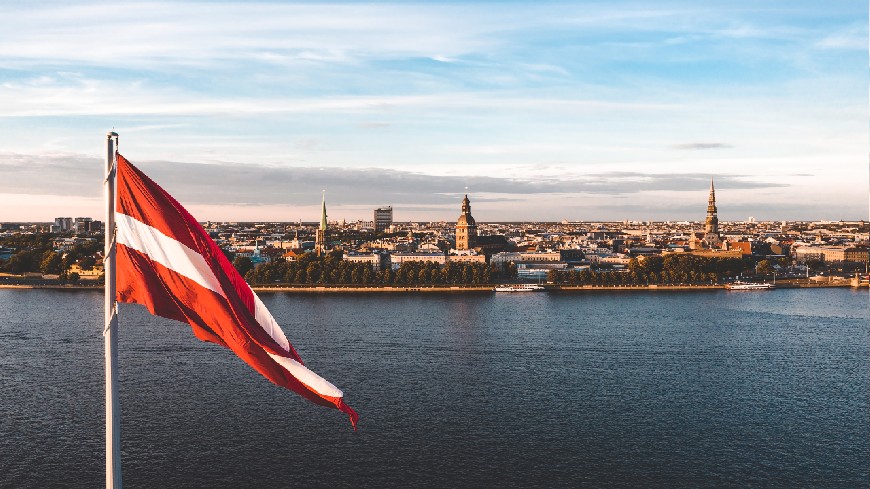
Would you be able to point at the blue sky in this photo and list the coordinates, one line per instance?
(544, 110)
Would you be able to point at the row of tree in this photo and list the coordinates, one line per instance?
(675, 269)
(331, 269)
(41, 257)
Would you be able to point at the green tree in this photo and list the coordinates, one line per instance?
(51, 262)
(815, 264)
(466, 274)
(87, 263)
(476, 277)
(387, 276)
(312, 273)
(243, 265)
(22, 262)
(556, 277)
(764, 267)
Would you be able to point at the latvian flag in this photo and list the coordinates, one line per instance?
(167, 262)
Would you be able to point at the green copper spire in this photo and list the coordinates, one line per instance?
(323, 214)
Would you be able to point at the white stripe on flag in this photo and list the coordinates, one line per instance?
(176, 256)
(166, 251)
(268, 323)
(301, 372)
(307, 377)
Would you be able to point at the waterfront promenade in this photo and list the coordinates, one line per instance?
(339, 289)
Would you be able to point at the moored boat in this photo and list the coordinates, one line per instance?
(749, 286)
(519, 288)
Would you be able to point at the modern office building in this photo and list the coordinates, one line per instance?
(82, 225)
(383, 218)
(64, 224)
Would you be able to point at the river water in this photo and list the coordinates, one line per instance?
(593, 389)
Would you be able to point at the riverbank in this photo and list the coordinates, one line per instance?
(441, 289)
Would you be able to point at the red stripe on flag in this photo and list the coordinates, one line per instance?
(226, 318)
(168, 294)
(143, 199)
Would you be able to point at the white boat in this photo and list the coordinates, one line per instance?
(749, 286)
(519, 288)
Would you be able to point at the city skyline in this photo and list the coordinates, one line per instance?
(544, 112)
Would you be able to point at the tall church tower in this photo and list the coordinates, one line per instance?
(320, 236)
(712, 238)
(466, 228)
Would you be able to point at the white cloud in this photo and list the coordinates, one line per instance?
(852, 37)
(78, 95)
(130, 34)
(544, 91)
(158, 35)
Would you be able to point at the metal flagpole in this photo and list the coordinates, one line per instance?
(110, 333)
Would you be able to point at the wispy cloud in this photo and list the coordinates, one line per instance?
(83, 96)
(373, 125)
(701, 146)
(192, 34)
(852, 37)
(518, 99)
(161, 35)
(71, 174)
(152, 127)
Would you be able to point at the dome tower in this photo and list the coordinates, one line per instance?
(466, 228)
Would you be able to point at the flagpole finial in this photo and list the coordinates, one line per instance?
(113, 136)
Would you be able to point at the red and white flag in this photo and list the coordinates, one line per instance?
(168, 263)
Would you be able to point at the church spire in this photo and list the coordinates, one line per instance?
(320, 246)
(712, 238)
(711, 202)
(323, 213)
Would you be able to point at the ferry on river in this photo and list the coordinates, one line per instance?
(519, 288)
(749, 286)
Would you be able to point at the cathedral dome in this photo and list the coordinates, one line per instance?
(465, 220)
